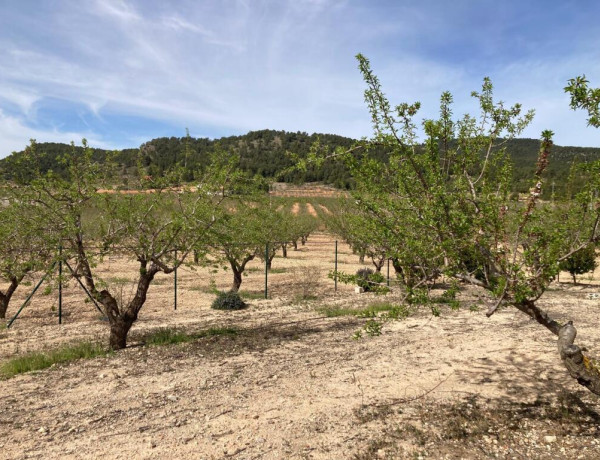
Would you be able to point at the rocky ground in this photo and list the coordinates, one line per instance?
(294, 384)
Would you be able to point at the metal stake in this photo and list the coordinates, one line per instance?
(60, 285)
(336, 264)
(388, 273)
(175, 282)
(266, 270)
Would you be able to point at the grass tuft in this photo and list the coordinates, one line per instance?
(43, 360)
(372, 311)
(167, 336)
(85, 350)
(252, 295)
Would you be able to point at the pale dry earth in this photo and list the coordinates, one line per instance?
(293, 383)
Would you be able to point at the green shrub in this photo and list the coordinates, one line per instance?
(369, 280)
(228, 301)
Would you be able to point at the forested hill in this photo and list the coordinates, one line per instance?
(264, 153)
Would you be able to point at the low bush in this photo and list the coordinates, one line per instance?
(228, 301)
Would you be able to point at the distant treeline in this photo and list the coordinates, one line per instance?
(264, 153)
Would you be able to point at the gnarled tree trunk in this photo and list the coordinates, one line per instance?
(580, 366)
(238, 270)
(120, 318)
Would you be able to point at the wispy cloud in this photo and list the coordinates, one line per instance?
(221, 68)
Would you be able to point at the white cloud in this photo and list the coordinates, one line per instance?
(15, 135)
(118, 9)
(236, 66)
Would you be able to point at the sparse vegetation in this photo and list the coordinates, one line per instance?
(42, 360)
(168, 336)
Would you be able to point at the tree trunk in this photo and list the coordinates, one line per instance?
(284, 249)
(3, 306)
(580, 367)
(121, 319)
(397, 266)
(238, 270)
(378, 262)
(295, 243)
(237, 280)
(118, 333)
(6, 296)
(303, 240)
(361, 258)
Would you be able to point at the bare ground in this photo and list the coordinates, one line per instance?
(293, 384)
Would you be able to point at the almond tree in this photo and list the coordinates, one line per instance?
(158, 229)
(247, 231)
(447, 198)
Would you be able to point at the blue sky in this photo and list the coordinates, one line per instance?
(122, 72)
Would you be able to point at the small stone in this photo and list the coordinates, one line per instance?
(550, 439)
(43, 430)
(359, 290)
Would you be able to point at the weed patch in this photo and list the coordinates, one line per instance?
(252, 295)
(43, 360)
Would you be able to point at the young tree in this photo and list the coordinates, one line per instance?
(239, 238)
(25, 246)
(581, 262)
(157, 229)
(447, 198)
(360, 232)
(250, 229)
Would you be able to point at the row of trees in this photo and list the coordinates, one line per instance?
(160, 230)
(442, 204)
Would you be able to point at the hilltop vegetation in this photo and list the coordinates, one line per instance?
(264, 153)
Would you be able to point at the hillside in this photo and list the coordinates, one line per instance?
(264, 153)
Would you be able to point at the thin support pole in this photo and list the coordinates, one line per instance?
(335, 277)
(37, 286)
(388, 272)
(267, 271)
(84, 288)
(175, 283)
(60, 266)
